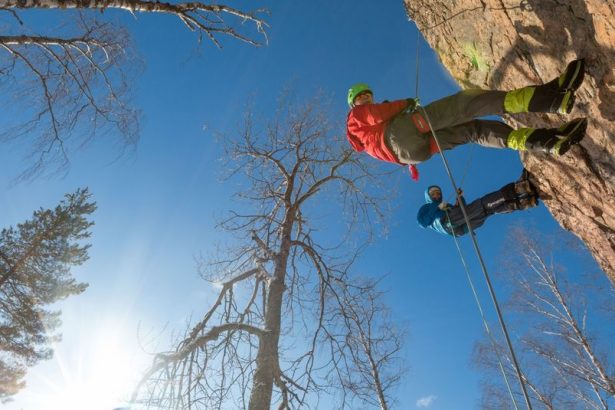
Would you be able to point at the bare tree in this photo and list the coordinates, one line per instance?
(371, 344)
(283, 327)
(71, 86)
(567, 362)
(35, 262)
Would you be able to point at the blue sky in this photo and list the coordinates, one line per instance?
(158, 206)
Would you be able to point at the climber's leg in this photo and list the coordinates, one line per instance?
(411, 147)
(502, 201)
(464, 106)
(557, 95)
(496, 134)
(476, 215)
(488, 133)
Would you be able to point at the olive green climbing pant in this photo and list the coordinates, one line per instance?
(453, 120)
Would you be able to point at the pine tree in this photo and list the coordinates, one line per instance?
(36, 259)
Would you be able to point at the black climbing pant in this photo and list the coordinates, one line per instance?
(501, 201)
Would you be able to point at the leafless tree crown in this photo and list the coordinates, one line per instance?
(289, 324)
(64, 89)
(562, 352)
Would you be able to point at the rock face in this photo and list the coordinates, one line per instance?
(506, 44)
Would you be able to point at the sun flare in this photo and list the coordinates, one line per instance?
(105, 375)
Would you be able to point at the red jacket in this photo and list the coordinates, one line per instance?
(366, 125)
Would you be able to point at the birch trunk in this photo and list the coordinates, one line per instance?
(130, 5)
(606, 382)
(197, 16)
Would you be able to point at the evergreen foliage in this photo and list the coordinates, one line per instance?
(36, 258)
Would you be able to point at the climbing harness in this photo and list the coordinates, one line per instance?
(478, 254)
(419, 122)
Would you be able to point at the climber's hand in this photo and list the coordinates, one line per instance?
(459, 196)
(412, 103)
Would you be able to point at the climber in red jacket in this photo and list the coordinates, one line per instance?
(398, 132)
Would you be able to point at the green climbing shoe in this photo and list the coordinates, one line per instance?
(566, 102)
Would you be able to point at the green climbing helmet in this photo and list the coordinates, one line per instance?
(356, 90)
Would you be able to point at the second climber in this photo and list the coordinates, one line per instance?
(441, 217)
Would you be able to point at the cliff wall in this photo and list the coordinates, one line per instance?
(500, 44)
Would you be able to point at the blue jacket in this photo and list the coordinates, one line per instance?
(429, 215)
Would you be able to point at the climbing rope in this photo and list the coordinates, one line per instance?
(482, 264)
(478, 254)
(416, 93)
(485, 322)
(416, 80)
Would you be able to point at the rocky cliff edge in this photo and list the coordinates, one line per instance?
(504, 45)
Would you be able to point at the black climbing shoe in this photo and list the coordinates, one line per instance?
(523, 187)
(548, 98)
(558, 95)
(508, 192)
(527, 202)
(567, 83)
(557, 141)
(570, 134)
(526, 194)
(573, 76)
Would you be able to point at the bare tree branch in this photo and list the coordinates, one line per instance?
(206, 18)
(72, 86)
(76, 86)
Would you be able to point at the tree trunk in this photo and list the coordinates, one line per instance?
(267, 357)
(604, 378)
(365, 341)
(377, 383)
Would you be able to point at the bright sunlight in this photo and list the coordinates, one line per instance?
(106, 373)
